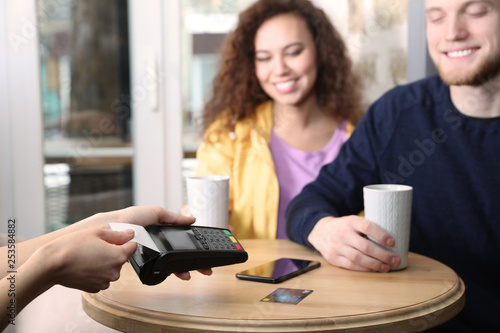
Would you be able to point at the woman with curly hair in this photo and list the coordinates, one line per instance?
(283, 103)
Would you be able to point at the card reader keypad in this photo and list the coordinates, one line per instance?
(216, 239)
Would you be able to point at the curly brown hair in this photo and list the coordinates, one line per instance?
(236, 90)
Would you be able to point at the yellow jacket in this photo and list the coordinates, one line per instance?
(247, 160)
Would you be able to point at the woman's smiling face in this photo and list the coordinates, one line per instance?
(285, 59)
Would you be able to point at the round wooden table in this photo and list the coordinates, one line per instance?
(425, 294)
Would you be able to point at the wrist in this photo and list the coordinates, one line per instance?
(37, 272)
(319, 229)
(49, 262)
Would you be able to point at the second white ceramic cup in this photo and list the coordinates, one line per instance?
(389, 206)
(208, 200)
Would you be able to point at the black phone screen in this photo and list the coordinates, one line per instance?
(278, 270)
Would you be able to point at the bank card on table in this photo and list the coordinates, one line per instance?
(287, 296)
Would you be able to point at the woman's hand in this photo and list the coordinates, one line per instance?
(140, 215)
(185, 211)
(86, 255)
(343, 242)
(87, 260)
(186, 275)
(90, 259)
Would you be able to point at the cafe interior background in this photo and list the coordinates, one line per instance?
(100, 100)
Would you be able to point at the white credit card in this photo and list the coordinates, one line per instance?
(141, 235)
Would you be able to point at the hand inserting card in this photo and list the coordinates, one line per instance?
(141, 235)
(166, 249)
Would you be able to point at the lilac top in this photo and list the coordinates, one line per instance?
(296, 168)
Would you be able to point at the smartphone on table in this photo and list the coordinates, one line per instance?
(277, 271)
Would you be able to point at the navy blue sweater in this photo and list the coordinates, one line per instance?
(414, 135)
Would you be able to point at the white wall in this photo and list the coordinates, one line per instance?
(6, 201)
(21, 178)
(156, 95)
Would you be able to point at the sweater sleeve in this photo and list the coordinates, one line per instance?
(338, 189)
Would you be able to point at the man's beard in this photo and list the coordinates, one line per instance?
(487, 71)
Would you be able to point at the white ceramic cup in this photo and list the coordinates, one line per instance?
(389, 206)
(208, 200)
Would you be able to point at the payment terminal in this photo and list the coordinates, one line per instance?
(184, 248)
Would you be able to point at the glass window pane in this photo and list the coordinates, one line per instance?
(204, 25)
(85, 84)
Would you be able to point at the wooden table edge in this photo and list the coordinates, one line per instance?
(132, 319)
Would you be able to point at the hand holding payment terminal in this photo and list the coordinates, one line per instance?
(165, 249)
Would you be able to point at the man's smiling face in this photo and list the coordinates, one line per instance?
(463, 37)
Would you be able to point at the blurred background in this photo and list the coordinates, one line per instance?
(110, 93)
(100, 102)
